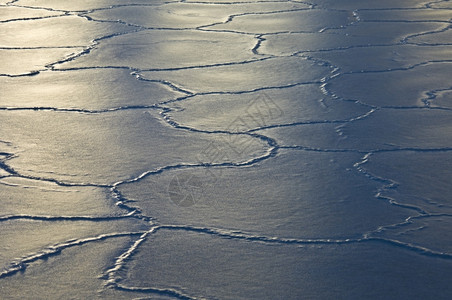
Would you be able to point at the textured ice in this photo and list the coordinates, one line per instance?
(382, 4)
(11, 13)
(28, 197)
(441, 98)
(238, 269)
(248, 149)
(306, 21)
(422, 232)
(372, 59)
(85, 5)
(359, 35)
(273, 107)
(29, 61)
(313, 202)
(95, 89)
(40, 239)
(79, 267)
(434, 38)
(55, 32)
(188, 15)
(442, 4)
(261, 74)
(143, 144)
(406, 129)
(168, 49)
(412, 87)
(425, 185)
(408, 15)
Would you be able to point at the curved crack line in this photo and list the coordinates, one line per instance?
(64, 218)
(137, 71)
(89, 48)
(22, 264)
(388, 184)
(415, 35)
(432, 95)
(113, 279)
(391, 241)
(344, 121)
(230, 18)
(31, 18)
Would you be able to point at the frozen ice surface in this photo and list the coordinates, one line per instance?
(404, 129)
(321, 136)
(41, 239)
(92, 89)
(383, 58)
(254, 75)
(29, 61)
(435, 38)
(11, 13)
(188, 15)
(312, 202)
(224, 149)
(412, 87)
(85, 5)
(28, 197)
(75, 272)
(239, 269)
(359, 35)
(305, 21)
(303, 103)
(441, 98)
(423, 232)
(163, 49)
(89, 148)
(63, 31)
(382, 4)
(408, 15)
(442, 4)
(425, 181)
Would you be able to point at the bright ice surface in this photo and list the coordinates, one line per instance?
(225, 149)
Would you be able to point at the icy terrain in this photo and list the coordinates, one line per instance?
(247, 149)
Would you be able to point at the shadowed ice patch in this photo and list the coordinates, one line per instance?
(372, 59)
(396, 88)
(105, 148)
(410, 15)
(412, 129)
(359, 35)
(353, 4)
(297, 194)
(422, 179)
(203, 265)
(431, 232)
(435, 38)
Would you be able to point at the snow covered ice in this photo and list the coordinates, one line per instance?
(246, 149)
